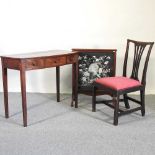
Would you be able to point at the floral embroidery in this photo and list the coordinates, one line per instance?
(93, 66)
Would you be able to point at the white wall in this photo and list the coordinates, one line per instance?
(37, 25)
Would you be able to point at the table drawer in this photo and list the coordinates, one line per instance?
(55, 61)
(37, 63)
(72, 58)
(34, 63)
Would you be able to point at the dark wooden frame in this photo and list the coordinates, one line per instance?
(90, 91)
(138, 51)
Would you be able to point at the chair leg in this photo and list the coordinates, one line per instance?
(94, 99)
(142, 95)
(127, 106)
(116, 109)
(76, 100)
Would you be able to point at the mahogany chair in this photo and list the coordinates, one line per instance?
(122, 85)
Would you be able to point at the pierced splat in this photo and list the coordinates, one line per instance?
(139, 48)
(138, 52)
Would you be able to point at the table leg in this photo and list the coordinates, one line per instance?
(5, 88)
(58, 83)
(73, 84)
(23, 92)
(76, 86)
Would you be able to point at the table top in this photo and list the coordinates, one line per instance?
(39, 54)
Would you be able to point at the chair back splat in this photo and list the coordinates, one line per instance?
(139, 48)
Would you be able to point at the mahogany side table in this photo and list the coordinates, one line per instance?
(33, 61)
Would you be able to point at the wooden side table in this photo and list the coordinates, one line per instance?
(33, 61)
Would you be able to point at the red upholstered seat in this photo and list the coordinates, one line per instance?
(118, 82)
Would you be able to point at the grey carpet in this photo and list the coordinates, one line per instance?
(57, 129)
